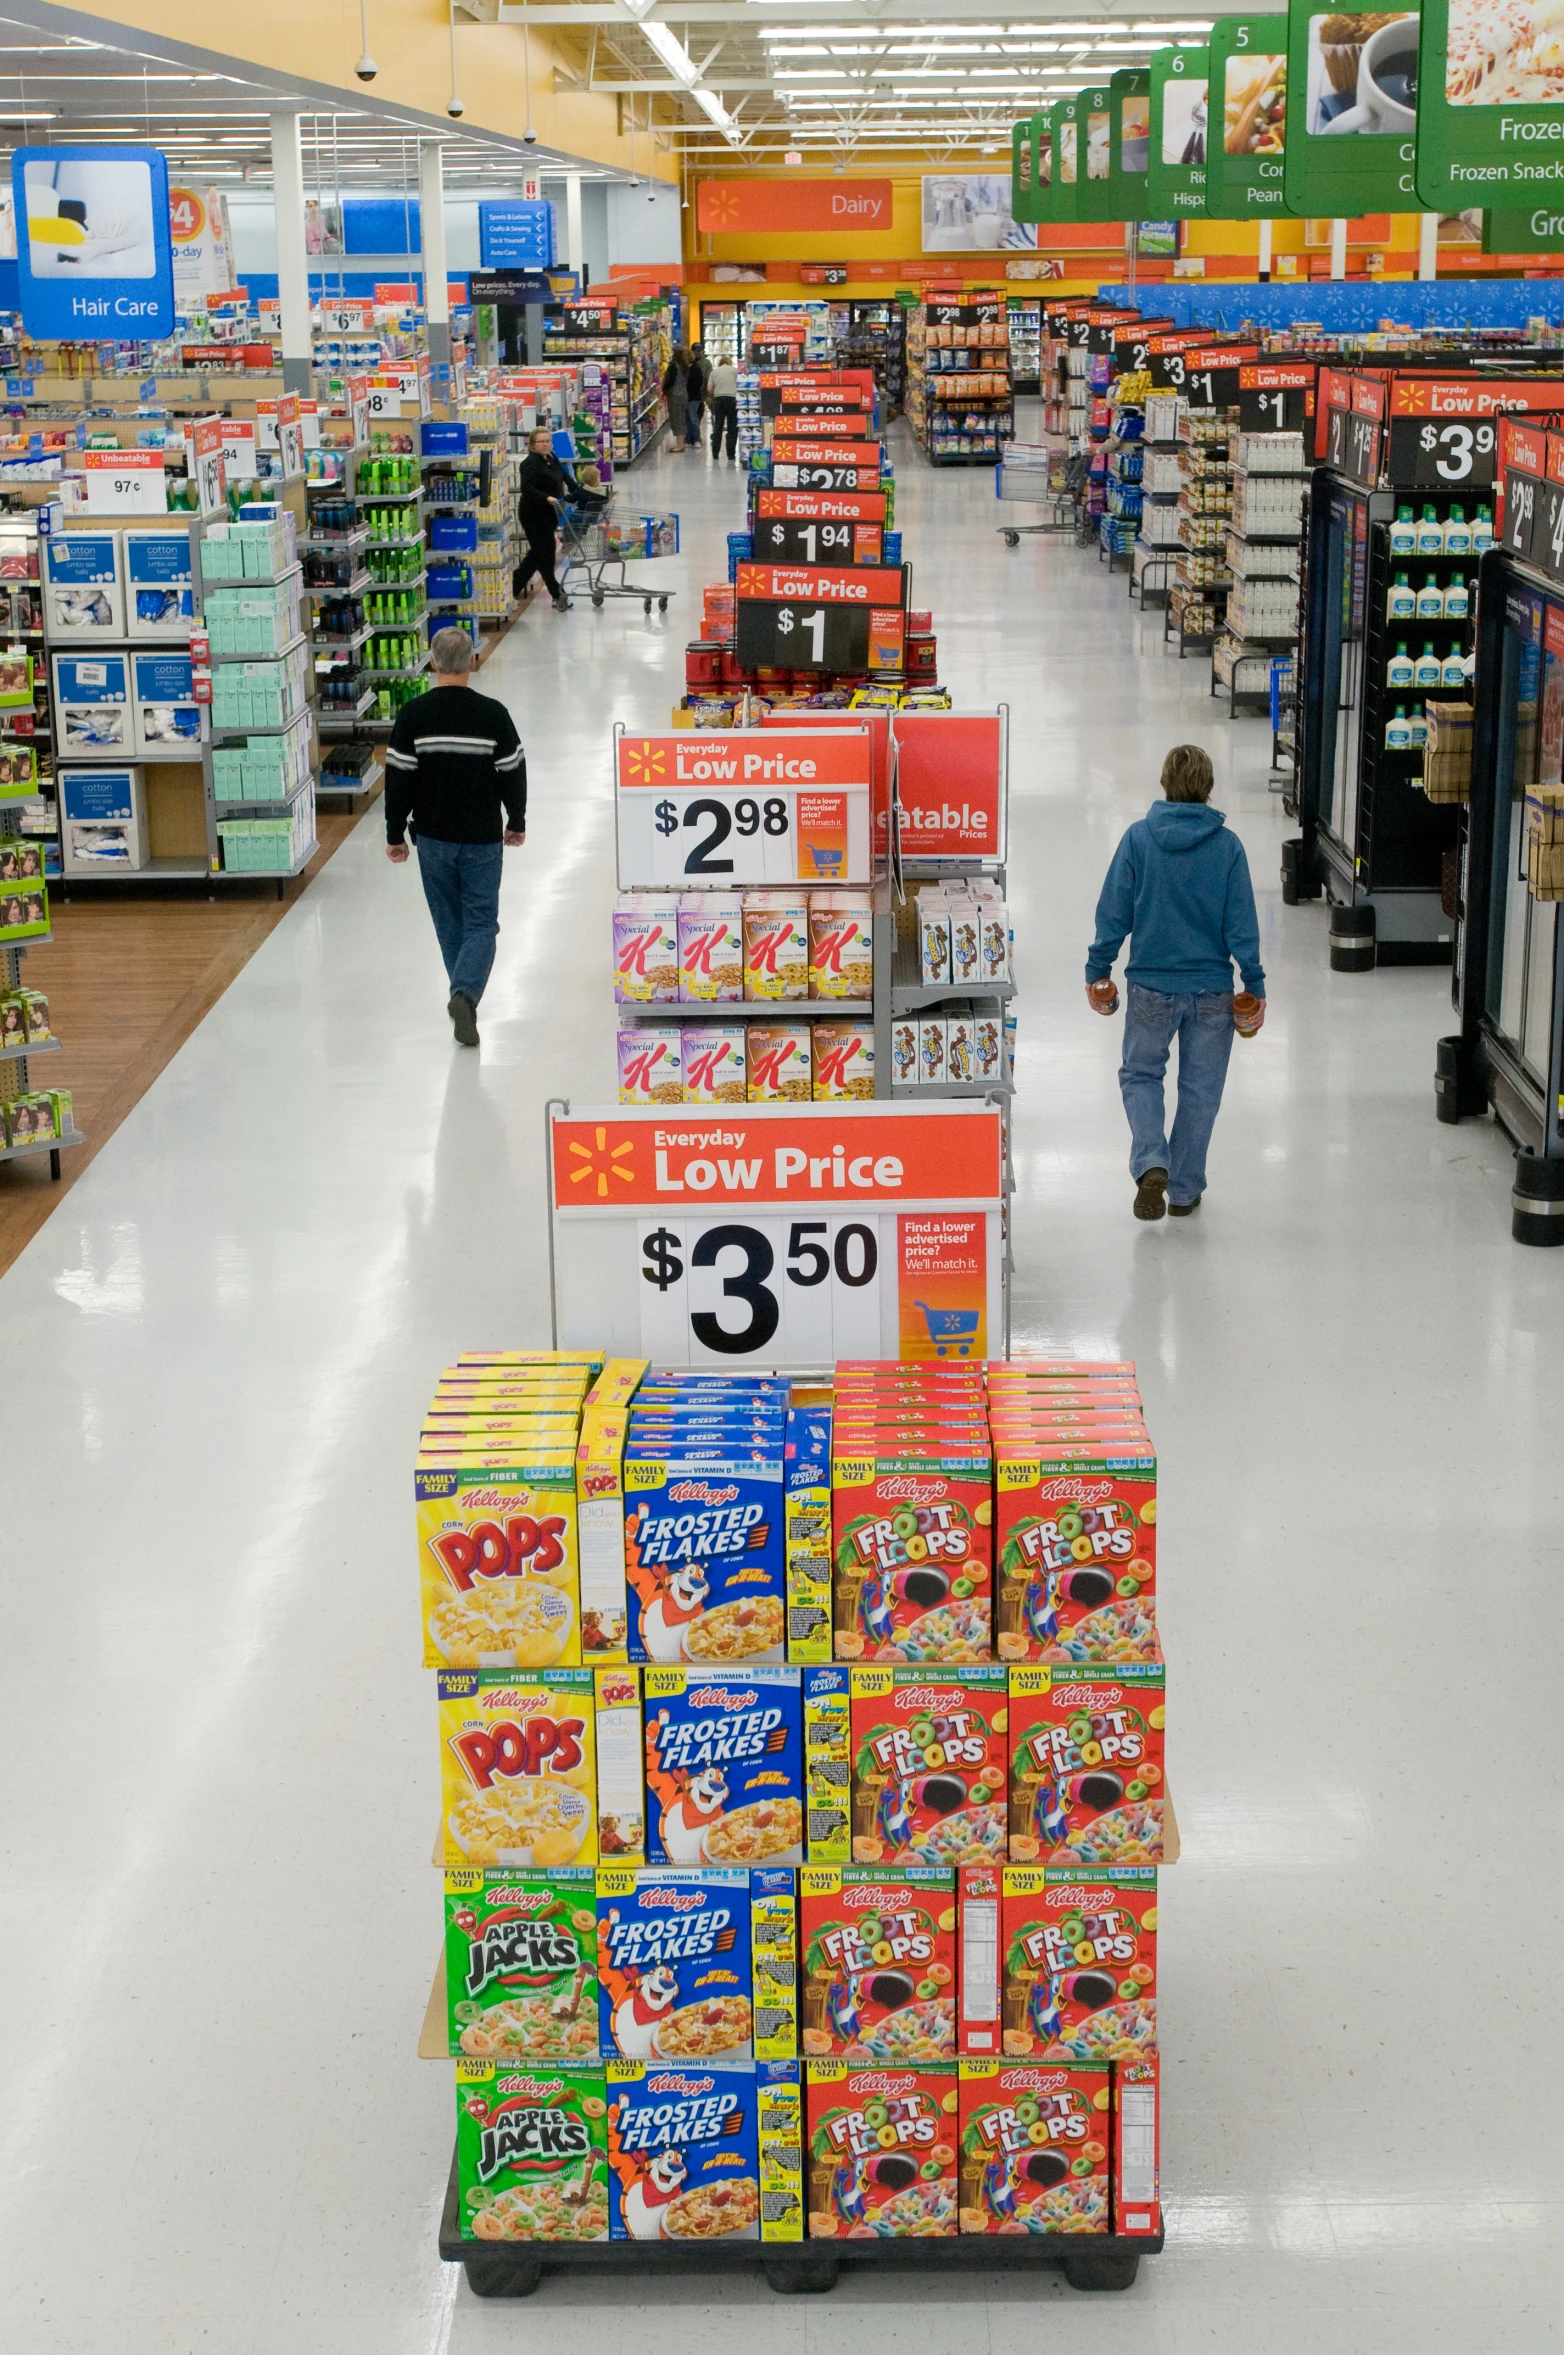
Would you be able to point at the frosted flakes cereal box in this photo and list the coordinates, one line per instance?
(1034, 2147)
(673, 1964)
(521, 1964)
(705, 1556)
(807, 1491)
(724, 1765)
(621, 1792)
(882, 2150)
(531, 2152)
(911, 1528)
(682, 2152)
(517, 1768)
(929, 1758)
(773, 1935)
(497, 1556)
(1077, 1546)
(1086, 1774)
(827, 1764)
(1080, 1963)
(878, 1946)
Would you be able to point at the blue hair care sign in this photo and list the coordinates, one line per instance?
(94, 249)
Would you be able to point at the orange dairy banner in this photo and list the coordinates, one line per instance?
(723, 206)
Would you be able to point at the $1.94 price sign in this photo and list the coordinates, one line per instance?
(778, 1235)
(721, 808)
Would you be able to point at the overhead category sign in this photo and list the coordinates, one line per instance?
(1248, 106)
(755, 206)
(94, 242)
(1490, 105)
(1352, 111)
(1176, 158)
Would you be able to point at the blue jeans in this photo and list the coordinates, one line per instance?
(692, 425)
(1203, 1025)
(462, 885)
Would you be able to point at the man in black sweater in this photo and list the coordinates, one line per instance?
(457, 770)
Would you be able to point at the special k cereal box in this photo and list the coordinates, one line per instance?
(497, 1554)
(1077, 1544)
(1086, 1773)
(1080, 1963)
(882, 2150)
(1034, 2147)
(651, 1063)
(531, 2152)
(725, 1765)
(1136, 2147)
(878, 1944)
(715, 1060)
(776, 944)
(779, 1066)
(646, 947)
(841, 945)
(929, 1759)
(711, 946)
(673, 1964)
(911, 1528)
(683, 2152)
(844, 1062)
(517, 1767)
(521, 1964)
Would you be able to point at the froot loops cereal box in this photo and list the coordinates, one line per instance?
(1080, 1963)
(497, 1554)
(673, 1964)
(879, 1962)
(929, 1765)
(682, 2152)
(725, 1766)
(1086, 1775)
(882, 2150)
(521, 1964)
(518, 1767)
(531, 2152)
(1076, 1534)
(1034, 2147)
(911, 1515)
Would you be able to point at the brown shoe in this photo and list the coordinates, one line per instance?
(1185, 1209)
(1151, 1194)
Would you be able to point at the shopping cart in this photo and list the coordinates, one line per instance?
(596, 543)
(1035, 474)
(953, 1331)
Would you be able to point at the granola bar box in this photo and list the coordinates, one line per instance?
(725, 1765)
(1076, 1541)
(683, 2152)
(1086, 1772)
(882, 2150)
(1080, 1963)
(1034, 2147)
(878, 1969)
(705, 1554)
(497, 1554)
(827, 1764)
(911, 1528)
(521, 1964)
(531, 2152)
(929, 1756)
(518, 1779)
(673, 1964)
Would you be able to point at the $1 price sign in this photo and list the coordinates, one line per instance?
(730, 807)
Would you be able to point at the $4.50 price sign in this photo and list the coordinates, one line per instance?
(723, 808)
(778, 1235)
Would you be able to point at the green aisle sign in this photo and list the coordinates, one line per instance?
(1042, 167)
(1176, 179)
(1068, 144)
(1490, 122)
(1537, 230)
(1129, 143)
(1352, 131)
(1021, 172)
(1248, 106)
(1094, 181)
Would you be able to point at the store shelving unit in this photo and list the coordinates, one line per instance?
(337, 576)
(1261, 620)
(959, 396)
(1198, 596)
(875, 336)
(1162, 479)
(1024, 315)
(635, 354)
(16, 1061)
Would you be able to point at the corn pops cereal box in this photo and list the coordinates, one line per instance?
(779, 2095)
(1136, 2146)
(600, 1535)
(911, 1528)
(518, 1771)
(773, 1937)
(673, 1964)
(1077, 1546)
(827, 1765)
(621, 1795)
(807, 1490)
(929, 1758)
(616, 1382)
(705, 1553)
(879, 1962)
(978, 1896)
(531, 2152)
(882, 2150)
(497, 1553)
(1086, 1773)
(682, 2151)
(1080, 1963)
(725, 1765)
(1034, 2147)
(521, 1964)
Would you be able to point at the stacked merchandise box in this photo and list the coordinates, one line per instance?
(1199, 595)
(1261, 620)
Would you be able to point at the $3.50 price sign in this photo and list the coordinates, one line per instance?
(778, 1235)
(722, 808)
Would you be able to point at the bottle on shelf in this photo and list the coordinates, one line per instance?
(1400, 603)
(1417, 728)
(1430, 534)
(1398, 730)
(1482, 530)
(1425, 671)
(1403, 533)
(1398, 670)
(1458, 599)
(1458, 533)
(1452, 671)
(1430, 601)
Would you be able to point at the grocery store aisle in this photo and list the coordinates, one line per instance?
(217, 1758)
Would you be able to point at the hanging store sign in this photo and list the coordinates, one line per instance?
(1352, 123)
(1490, 118)
(824, 506)
(949, 784)
(723, 207)
(735, 807)
(94, 246)
(1248, 105)
(1129, 143)
(1276, 396)
(1176, 167)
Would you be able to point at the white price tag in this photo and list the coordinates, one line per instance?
(719, 809)
(124, 482)
(764, 1286)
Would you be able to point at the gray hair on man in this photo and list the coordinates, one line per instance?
(452, 653)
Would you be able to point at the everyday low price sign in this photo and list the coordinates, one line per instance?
(721, 809)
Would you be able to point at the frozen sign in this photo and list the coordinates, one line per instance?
(93, 246)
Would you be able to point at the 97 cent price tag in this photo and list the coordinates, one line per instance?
(720, 809)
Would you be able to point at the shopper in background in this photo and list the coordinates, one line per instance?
(723, 393)
(1179, 888)
(695, 396)
(456, 769)
(676, 392)
(542, 487)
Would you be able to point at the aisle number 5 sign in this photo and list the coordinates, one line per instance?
(717, 809)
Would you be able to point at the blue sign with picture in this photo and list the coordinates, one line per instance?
(94, 248)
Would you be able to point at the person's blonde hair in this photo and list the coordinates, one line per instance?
(1187, 774)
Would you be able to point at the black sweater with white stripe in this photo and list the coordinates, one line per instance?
(454, 764)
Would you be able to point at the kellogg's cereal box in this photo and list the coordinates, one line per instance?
(776, 945)
(517, 1767)
(646, 948)
(807, 1489)
(531, 2152)
(705, 1556)
(828, 1765)
(521, 1964)
(1137, 2146)
(1034, 2147)
(929, 1760)
(600, 1534)
(673, 1964)
(1080, 1964)
(1077, 1550)
(779, 1066)
(711, 946)
(621, 1792)
(879, 1962)
(651, 1063)
(725, 1765)
(911, 1531)
(882, 2150)
(1086, 1778)
(978, 1889)
(715, 1063)
(844, 1062)
(779, 2093)
(683, 2152)
(841, 944)
(497, 1556)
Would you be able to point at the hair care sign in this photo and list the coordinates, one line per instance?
(1352, 130)
(94, 247)
(1490, 115)
(1245, 163)
(1176, 162)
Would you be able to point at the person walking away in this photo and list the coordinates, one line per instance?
(542, 487)
(695, 397)
(1179, 889)
(676, 392)
(456, 770)
(723, 393)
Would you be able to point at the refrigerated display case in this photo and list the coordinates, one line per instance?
(874, 336)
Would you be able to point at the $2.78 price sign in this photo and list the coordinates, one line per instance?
(723, 808)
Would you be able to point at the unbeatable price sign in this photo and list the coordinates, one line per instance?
(950, 769)
(731, 807)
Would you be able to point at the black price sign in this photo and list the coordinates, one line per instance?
(1547, 534)
(775, 355)
(1456, 454)
(808, 401)
(784, 539)
(1520, 512)
(804, 636)
(823, 475)
(1352, 445)
(1274, 398)
(1169, 368)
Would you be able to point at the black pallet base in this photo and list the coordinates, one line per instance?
(513, 2269)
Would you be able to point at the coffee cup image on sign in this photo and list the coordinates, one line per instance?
(90, 219)
(1362, 75)
(1183, 122)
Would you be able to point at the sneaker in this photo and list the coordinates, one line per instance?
(1151, 1194)
(464, 1018)
(562, 604)
(1185, 1209)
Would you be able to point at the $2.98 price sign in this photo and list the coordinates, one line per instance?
(723, 808)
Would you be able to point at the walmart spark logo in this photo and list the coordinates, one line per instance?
(646, 764)
(600, 1162)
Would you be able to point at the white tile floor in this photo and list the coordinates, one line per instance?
(213, 2133)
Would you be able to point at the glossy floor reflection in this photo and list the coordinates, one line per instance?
(217, 1763)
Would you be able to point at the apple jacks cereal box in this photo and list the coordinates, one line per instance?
(518, 1774)
(1080, 1963)
(683, 2152)
(531, 2152)
(1034, 2147)
(1086, 1783)
(705, 1555)
(879, 1962)
(1077, 1543)
(911, 1518)
(828, 1765)
(725, 1765)
(521, 1964)
(882, 2150)
(673, 1964)
(497, 1554)
(929, 1761)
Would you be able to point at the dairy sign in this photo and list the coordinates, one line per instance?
(722, 809)
(1490, 107)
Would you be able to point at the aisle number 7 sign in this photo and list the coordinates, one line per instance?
(716, 809)
(777, 1235)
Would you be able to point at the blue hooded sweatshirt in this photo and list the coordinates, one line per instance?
(1180, 884)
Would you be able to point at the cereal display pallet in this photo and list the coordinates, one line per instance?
(514, 2269)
